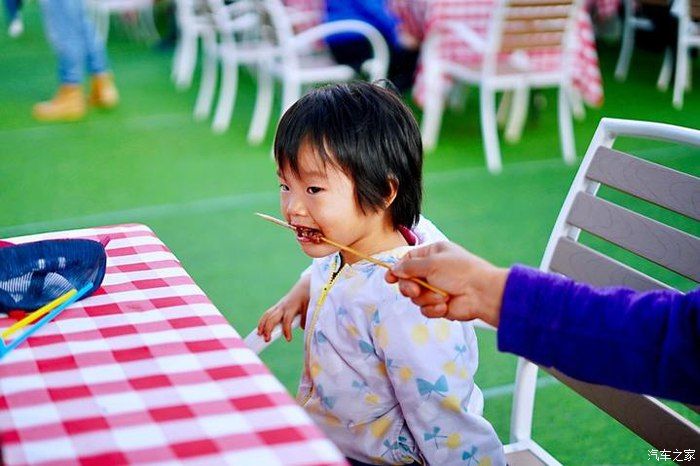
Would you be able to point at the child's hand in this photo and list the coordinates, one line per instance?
(288, 307)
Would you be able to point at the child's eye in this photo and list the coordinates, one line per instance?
(284, 187)
(314, 190)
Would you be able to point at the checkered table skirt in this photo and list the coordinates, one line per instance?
(418, 16)
(146, 370)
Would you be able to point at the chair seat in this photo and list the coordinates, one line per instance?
(528, 453)
(524, 458)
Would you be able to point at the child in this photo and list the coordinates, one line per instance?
(386, 384)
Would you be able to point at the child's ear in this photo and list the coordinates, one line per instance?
(393, 191)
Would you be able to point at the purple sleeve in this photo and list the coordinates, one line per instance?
(642, 342)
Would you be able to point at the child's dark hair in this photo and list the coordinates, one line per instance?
(367, 132)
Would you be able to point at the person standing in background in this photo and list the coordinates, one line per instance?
(353, 49)
(14, 18)
(77, 46)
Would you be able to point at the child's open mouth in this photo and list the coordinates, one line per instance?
(306, 234)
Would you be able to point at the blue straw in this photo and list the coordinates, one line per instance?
(17, 341)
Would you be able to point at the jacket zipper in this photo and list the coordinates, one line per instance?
(310, 329)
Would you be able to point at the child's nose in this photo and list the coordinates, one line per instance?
(294, 207)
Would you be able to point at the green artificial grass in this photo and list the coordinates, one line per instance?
(148, 161)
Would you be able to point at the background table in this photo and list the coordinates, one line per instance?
(419, 16)
(146, 370)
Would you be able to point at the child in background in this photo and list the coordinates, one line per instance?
(386, 384)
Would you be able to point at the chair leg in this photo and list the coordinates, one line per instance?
(489, 132)
(227, 96)
(518, 114)
(291, 92)
(504, 108)
(433, 108)
(458, 97)
(149, 24)
(577, 107)
(666, 70)
(566, 129)
(188, 60)
(623, 62)
(681, 75)
(523, 401)
(177, 60)
(263, 106)
(205, 96)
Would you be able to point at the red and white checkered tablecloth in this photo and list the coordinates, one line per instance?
(418, 16)
(146, 371)
(476, 14)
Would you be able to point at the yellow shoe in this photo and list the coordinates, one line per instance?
(67, 105)
(103, 92)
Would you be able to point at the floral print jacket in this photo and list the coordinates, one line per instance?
(386, 384)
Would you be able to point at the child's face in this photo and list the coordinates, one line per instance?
(323, 198)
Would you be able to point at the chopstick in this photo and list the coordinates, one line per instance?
(4, 349)
(43, 310)
(355, 252)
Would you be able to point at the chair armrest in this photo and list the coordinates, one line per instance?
(380, 62)
(466, 34)
(258, 344)
(321, 31)
(241, 23)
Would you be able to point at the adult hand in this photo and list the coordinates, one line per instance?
(287, 308)
(475, 286)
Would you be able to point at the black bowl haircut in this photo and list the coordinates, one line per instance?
(368, 133)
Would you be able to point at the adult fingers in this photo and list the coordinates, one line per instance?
(413, 267)
(434, 310)
(428, 298)
(409, 288)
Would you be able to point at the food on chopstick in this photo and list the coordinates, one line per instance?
(312, 234)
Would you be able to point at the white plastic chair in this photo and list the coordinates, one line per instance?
(275, 50)
(516, 27)
(634, 21)
(688, 12)
(668, 247)
(297, 60)
(648, 418)
(101, 11)
(236, 40)
(194, 21)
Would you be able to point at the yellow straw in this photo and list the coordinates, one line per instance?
(42, 311)
(357, 253)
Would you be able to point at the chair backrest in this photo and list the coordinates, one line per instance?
(666, 246)
(694, 10)
(523, 26)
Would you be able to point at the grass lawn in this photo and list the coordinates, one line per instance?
(149, 162)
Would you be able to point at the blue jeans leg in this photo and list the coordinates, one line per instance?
(74, 39)
(12, 8)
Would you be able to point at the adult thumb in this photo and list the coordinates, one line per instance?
(412, 267)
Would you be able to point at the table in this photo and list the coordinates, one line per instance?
(476, 14)
(146, 370)
(419, 16)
